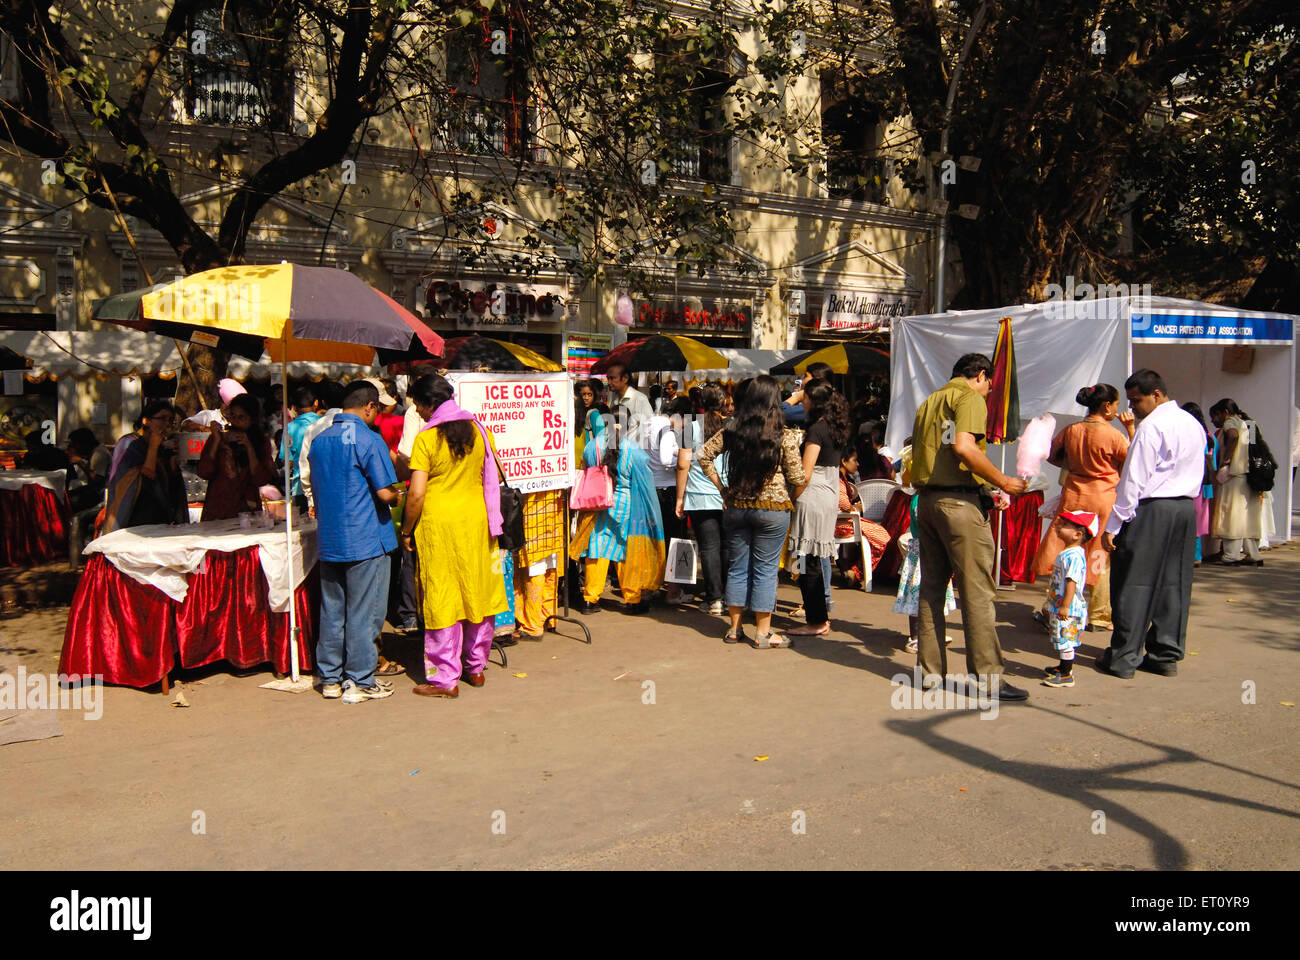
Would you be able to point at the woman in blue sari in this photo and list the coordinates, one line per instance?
(631, 532)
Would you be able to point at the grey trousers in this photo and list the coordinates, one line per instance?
(1151, 584)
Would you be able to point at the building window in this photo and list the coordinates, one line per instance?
(855, 170)
(236, 70)
(703, 143)
(488, 81)
(10, 87)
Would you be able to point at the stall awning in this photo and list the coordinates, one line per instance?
(83, 354)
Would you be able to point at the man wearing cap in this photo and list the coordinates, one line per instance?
(1151, 533)
(950, 471)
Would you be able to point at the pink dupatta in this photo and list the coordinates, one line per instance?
(448, 412)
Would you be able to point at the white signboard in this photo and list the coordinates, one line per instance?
(531, 419)
(853, 310)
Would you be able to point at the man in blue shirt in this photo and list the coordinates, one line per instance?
(353, 482)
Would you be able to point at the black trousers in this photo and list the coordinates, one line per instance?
(403, 601)
(812, 586)
(708, 535)
(1151, 583)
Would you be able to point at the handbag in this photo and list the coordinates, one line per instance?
(681, 561)
(512, 514)
(593, 491)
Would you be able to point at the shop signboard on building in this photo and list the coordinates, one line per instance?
(695, 316)
(488, 307)
(854, 311)
(584, 349)
(531, 419)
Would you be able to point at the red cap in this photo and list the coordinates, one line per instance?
(1083, 518)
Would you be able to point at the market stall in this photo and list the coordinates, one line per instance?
(33, 517)
(189, 596)
(1063, 345)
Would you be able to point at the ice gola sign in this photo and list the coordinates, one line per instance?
(694, 315)
(492, 306)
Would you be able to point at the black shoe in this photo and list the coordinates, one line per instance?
(1102, 665)
(1007, 692)
(641, 606)
(586, 606)
(1165, 668)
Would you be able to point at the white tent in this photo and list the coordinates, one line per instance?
(1063, 345)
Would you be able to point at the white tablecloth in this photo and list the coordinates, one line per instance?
(56, 480)
(164, 556)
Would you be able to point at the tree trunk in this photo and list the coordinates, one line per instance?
(209, 366)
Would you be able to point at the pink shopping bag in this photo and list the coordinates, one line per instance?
(593, 491)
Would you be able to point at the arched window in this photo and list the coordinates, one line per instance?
(487, 74)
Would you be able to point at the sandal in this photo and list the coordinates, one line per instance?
(736, 637)
(388, 668)
(911, 645)
(808, 631)
(770, 641)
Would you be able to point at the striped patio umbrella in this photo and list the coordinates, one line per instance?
(842, 358)
(1004, 396)
(668, 352)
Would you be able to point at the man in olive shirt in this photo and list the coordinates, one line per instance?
(956, 540)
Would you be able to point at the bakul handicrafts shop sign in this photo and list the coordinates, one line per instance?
(846, 311)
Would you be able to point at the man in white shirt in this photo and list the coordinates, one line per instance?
(1151, 533)
(630, 407)
(662, 435)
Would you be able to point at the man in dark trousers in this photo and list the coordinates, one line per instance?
(950, 470)
(1151, 533)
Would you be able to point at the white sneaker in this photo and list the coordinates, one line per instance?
(911, 645)
(331, 691)
(717, 608)
(354, 694)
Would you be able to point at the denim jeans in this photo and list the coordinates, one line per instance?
(352, 600)
(754, 542)
(708, 534)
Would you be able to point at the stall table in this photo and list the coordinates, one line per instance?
(153, 597)
(34, 517)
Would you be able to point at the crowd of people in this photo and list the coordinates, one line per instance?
(407, 498)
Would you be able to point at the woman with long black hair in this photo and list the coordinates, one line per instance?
(764, 477)
(236, 461)
(812, 536)
(454, 468)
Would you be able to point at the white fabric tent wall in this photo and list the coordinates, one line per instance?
(1063, 345)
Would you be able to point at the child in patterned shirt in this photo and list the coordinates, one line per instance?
(1068, 608)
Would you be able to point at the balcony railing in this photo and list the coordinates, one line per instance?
(705, 158)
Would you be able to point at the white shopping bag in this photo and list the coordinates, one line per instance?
(681, 561)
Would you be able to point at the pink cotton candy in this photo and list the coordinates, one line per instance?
(1035, 445)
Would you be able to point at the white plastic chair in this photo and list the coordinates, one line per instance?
(875, 496)
(864, 550)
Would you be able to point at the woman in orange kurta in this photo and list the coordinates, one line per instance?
(1093, 452)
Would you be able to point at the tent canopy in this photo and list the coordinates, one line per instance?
(84, 354)
(1064, 345)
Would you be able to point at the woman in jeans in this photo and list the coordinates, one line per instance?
(699, 499)
(812, 536)
(764, 477)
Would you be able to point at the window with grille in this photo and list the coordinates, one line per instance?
(236, 71)
(855, 170)
(703, 145)
(488, 79)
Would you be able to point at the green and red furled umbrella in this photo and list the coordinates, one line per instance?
(1004, 395)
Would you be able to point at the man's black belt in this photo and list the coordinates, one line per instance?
(928, 487)
(1150, 499)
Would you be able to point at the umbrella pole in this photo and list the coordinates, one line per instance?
(288, 508)
(1002, 519)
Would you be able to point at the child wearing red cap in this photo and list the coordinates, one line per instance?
(1067, 607)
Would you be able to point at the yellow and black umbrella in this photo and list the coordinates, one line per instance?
(668, 352)
(842, 358)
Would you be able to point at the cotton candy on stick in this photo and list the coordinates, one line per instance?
(1035, 445)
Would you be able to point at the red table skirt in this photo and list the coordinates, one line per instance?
(134, 634)
(33, 526)
(1020, 535)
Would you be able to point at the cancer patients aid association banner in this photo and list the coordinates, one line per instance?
(531, 419)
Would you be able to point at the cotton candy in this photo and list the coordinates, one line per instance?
(1035, 444)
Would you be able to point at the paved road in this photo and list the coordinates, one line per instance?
(581, 764)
